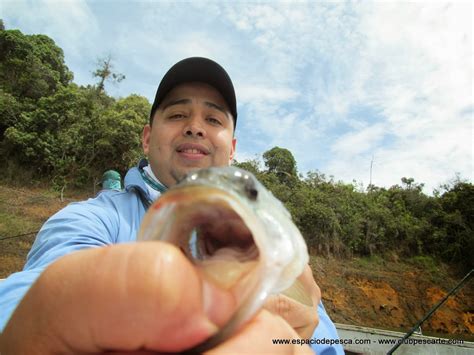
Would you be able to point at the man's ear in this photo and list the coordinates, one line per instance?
(232, 150)
(146, 134)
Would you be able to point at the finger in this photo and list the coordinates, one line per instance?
(123, 297)
(304, 319)
(296, 314)
(258, 335)
(307, 280)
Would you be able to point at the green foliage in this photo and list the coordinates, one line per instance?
(71, 135)
(281, 162)
(31, 66)
(10, 109)
(338, 219)
(104, 72)
(122, 124)
(456, 224)
(370, 262)
(249, 165)
(316, 220)
(425, 262)
(53, 129)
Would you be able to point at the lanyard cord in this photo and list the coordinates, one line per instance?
(153, 183)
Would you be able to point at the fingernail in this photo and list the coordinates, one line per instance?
(208, 326)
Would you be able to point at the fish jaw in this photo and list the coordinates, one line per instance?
(230, 261)
(288, 251)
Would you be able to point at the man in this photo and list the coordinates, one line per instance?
(144, 297)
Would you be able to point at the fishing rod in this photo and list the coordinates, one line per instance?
(432, 310)
(19, 235)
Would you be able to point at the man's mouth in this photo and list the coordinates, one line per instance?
(192, 150)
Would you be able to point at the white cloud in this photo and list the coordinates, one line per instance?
(425, 83)
(70, 22)
(249, 94)
(359, 142)
(410, 62)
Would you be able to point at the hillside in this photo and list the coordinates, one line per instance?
(375, 292)
(395, 295)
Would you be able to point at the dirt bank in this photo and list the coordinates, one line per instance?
(395, 295)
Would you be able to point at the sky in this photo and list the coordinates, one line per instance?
(343, 85)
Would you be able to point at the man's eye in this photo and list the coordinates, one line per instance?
(214, 121)
(176, 116)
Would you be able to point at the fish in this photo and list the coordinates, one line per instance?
(237, 233)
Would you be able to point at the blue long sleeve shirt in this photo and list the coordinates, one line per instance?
(110, 218)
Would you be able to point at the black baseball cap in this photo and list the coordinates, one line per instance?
(197, 69)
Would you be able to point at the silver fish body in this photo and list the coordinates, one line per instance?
(232, 228)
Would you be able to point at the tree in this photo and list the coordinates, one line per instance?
(10, 109)
(251, 165)
(119, 142)
(105, 72)
(409, 184)
(457, 221)
(281, 162)
(31, 66)
(41, 138)
(70, 136)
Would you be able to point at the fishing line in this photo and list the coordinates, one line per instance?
(432, 310)
(19, 235)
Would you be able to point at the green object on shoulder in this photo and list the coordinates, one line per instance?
(111, 180)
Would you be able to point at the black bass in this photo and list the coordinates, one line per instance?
(237, 233)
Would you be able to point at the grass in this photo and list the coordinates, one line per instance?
(14, 250)
(425, 262)
(13, 224)
(23, 210)
(370, 261)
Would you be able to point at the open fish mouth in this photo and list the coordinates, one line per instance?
(223, 248)
(217, 227)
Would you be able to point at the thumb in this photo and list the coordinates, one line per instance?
(141, 296)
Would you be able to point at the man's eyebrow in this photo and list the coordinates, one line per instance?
(176, 102)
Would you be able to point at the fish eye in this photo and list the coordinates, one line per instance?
(247, 183)
(252, 194)
(250, 190)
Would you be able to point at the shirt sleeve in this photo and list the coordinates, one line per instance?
(78, 226)
(324, 333)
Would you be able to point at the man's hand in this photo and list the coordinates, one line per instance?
(302, 318)
(140, 297)
(256, 338)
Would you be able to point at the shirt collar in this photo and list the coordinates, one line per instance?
(155, 187)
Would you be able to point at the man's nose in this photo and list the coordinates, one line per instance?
(194, 127)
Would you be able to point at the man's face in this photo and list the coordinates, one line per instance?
(192, 129)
